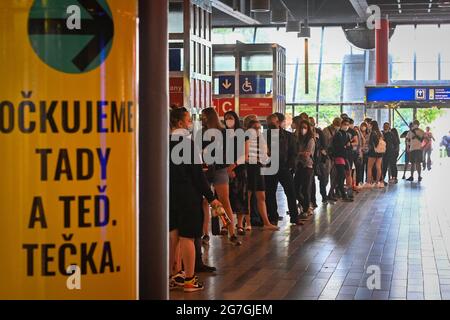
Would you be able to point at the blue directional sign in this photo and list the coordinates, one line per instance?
(418, 94)
(226, 85)
(252, 85)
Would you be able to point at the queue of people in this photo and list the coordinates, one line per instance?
(345, 158)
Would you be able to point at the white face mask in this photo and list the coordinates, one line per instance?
(345, 128)
(304, 132)
(230, 123)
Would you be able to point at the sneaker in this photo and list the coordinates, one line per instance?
(205, 239)
(177, 281)
(420, 179)
(234, 240)
(410, 179)
(192, 285)
(380, 185)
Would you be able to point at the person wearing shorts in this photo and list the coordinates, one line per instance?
(415, 136)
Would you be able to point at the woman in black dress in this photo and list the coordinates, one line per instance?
(188, 186)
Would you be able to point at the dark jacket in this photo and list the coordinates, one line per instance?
(340, 145)
(389, 138)
(287, 148)
(188, 184)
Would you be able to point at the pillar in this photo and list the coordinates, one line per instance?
(382, 52)
(153, 157)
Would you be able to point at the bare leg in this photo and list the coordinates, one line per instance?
(188, 255)
(370, 164)
(206, 217)
(379, 166)
(261, 200)
(240, 220)
(174, 252)
(223, 193)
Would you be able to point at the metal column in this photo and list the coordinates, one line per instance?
(153, 149)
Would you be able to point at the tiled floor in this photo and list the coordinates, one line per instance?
(404, 230)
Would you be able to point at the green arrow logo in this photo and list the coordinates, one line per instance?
(71, 50)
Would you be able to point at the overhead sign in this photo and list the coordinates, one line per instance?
(407, 94)
(252, 85)
(72, 36)
(223, 105)
(226, 85)
(262, 107)
(68, 137)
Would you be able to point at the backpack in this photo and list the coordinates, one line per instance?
(381, 147)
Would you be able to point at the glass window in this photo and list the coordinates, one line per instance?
(301, 95)
(445, 51)
(224, 62)
(327, 114)
(401, 50)
(335, 45)
(230, 35)
(309, 109)
(176, 18)
(257, 62)
(427, 51)
(330, 83)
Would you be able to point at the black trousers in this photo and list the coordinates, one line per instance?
(284, 177)
(303, 186)
(340, 179)
(394, 169)
(389, 161)
(198, 252)
(359, 168)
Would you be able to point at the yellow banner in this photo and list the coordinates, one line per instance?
(68, 141)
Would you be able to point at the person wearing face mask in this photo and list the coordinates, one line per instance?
(255, 157)
(376, 152)
(415, 136)
(305, 164)
(238, 179)
(341, 148)
(352, 157)
(365, 135)
(286, 156)
(329, 167)
(219, 174)
(188, 186)
(389, 158)
(319, 161)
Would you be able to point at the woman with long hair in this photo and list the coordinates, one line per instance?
(375, 158)
(188, 186)
(305, 163)
(219, 172)
(365, 135)
(238, 178)
(255, 158)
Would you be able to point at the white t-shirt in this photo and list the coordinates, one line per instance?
(414, 142)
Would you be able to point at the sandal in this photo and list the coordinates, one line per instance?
(248, 228)
(240, 231)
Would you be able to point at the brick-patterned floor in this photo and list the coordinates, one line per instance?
(404, 230)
